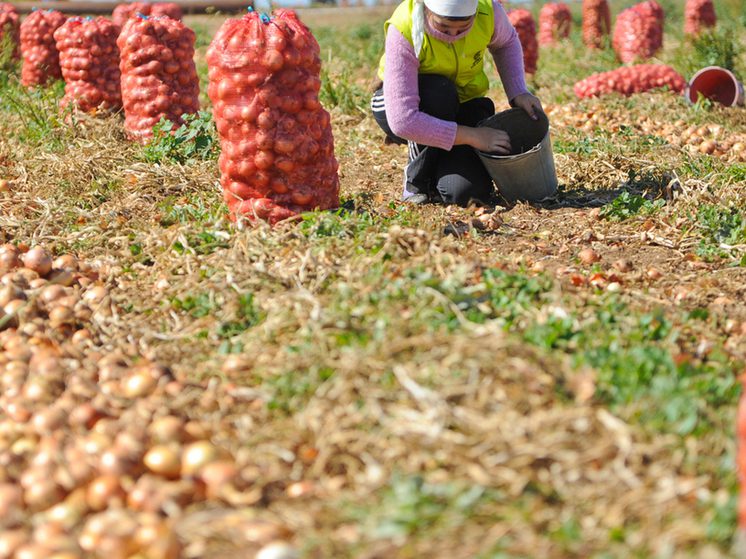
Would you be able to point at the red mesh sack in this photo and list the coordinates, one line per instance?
(631, 79)
(276, 139)
(596, 22)
(555, 21)
(159, 79)
(525, 26)
(41, 62)
(123, 12)
(638, 32)
(89, 58)
(9, 31)
(169, 9)
(698, 15)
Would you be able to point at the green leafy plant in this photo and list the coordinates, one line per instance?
(195, 139)
(7, 47)
(628, 205)
(723, 233)
(717, 47)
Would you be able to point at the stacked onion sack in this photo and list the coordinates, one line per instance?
(41, 62)
(277, 155)
(631, 79)
(638, 32)
(123, 12)
(89, 58)
(159, 79)
(555, 21)
(525, 26)
(9, 32)
(699, 15)
(596, 23)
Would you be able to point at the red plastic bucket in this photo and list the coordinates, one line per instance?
(716, 84)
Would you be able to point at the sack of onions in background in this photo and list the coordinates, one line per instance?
(41, 62)
(123, 12)
(9, 34)
(638, 32)
(525, 26)
(596, 23)
(555, 21)
(277, 155)
(159, 78)
(698, 16)
(631, 79)
(89, 59)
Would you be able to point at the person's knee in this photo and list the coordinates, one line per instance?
(438, 96)
(461, 191)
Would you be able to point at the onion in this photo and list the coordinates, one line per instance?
(38, 260)
(165, 429)
(588, 256)
(277, 550)
(196, 455)
(163, 460)
(216, 475)
(102, 491)
(10, 541)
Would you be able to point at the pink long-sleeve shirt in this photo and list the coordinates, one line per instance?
(401, 91)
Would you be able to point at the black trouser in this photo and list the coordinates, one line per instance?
(456, 176)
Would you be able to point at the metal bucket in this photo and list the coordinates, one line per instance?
(528, 172)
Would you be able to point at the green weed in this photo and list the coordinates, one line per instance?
(628, 205)
(42, 122)
(723, 232)
(410, 505)
(195, 139)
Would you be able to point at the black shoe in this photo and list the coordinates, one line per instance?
(417, 199)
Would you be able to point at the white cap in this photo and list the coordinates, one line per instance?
(452, 8)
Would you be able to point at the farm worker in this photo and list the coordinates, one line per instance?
(432, 93)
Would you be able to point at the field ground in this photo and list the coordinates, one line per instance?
(397, 381)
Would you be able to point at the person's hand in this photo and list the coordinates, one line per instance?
(488, 140)
(529, 103)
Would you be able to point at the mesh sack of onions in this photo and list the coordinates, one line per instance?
(596, 23)
(169, 9)
(638, 32)
(89, 58)
(555, 21)
(9, 32)
(277, 155)
(698, 15)
(41, 62)
(525, 26)
(123, 12)
(159, 78)
(631, 79)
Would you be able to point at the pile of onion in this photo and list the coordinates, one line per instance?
(96, 456)
(41, 60)
(596, 23)
(159, 78)
(555, 21)
(277, 155)
(89, 58)
(525, 26)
